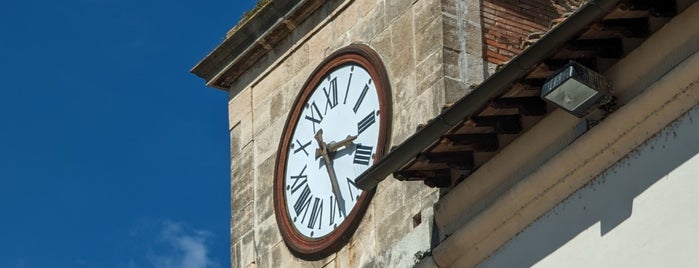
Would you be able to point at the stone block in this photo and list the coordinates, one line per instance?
(239, 106)
(426, 105)
(409, 249)
(261, 113)
(454, 90)
(366, 6)
(429, 40)
(371, 24)
(382, 45)
(269, 84)
(414, 193)
(247, 250)
(390, 198)
(402, 127)
(393, 228)
(452, 64)
(404, 90)
(279, 107)
(396, 8)
(296, 61)
(453, 34)
(449, 7)
(241, 134)
(242, 221)
(471, 11)
(235, 255)
(263, 184)
(343, 258)
(474, 37)
(241, 192)
(425, 13)
(475, 70)
(403, 43)
(319, 43)
(437, 93)
(242, 164)
(267, 141)
(267, 236)
(429, 71)
(347, 19)
(362, 246)
(272, 109)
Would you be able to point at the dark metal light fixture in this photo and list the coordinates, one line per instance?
(577, 89)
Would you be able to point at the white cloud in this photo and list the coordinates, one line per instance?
(183, 248)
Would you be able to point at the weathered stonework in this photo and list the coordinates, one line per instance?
(436, 52)
(427, 47)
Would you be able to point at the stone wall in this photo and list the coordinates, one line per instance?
(432, 51)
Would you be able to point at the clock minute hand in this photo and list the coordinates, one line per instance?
(334, 146)
(331, 171)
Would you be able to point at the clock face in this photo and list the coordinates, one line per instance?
(342, 115)
(336, 130)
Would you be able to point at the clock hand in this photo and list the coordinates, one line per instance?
(334, 146)
(331, 171)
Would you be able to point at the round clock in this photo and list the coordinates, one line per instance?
(337, 128)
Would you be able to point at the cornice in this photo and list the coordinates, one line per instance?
(252, 40)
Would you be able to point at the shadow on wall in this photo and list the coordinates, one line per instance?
(608, 199)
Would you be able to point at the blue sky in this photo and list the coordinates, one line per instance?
(111, 153)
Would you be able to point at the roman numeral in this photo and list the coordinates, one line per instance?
(316, 214)
(313, 118)
(361, 97)
(302, 203)
(366, 122)
(349, 82)
(363, 154)
(299, 181)
(331, 96)
(333, 205)
(302, 147)
(350, 185)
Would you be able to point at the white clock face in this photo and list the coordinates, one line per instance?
(334, 141)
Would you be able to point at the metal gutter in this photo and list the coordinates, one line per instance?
(494, 86)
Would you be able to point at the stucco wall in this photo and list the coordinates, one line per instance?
(638, 213)
(426, 70)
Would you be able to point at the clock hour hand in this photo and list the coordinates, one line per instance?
(331, 171)
(334, 146)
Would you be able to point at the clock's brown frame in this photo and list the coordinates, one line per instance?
(314, 249)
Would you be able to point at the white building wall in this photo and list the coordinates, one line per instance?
(642, 212)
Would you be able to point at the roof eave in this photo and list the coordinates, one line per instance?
(491, 88)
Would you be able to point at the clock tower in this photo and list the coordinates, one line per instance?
(346, 114)
(319, 92)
